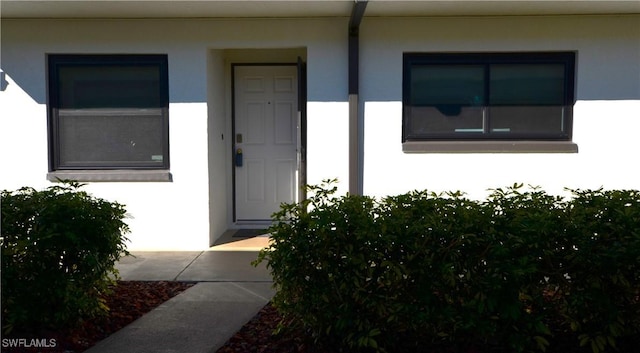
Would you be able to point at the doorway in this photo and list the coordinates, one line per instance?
(268, 134)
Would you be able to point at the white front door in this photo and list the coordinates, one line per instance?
(265, 140)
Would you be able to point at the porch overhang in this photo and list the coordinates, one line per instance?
(304, 8)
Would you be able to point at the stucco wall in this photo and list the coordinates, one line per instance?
(606, 115)
(194, 209)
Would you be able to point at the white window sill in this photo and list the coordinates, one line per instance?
(111, 175)
(489, 147)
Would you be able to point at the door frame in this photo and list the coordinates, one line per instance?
(302, 131)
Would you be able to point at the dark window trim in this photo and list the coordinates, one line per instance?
(55, 61)
(566, 58)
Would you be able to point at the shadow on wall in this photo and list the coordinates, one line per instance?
(607, 64)
(187, 44)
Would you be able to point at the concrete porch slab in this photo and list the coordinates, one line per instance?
(225, 266)
(155, 265)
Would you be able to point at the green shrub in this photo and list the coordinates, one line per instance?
(601, 260)
(60, 247)
(423, 269)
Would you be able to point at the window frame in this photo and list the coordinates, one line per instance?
(565, 58)
(56, 61)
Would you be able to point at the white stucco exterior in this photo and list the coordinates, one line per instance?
(606, 114)
(195, 208)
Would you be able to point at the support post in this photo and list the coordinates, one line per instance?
(355, 123)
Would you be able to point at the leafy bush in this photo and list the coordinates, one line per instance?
(60, 247)
(601, 260)
(424, 269)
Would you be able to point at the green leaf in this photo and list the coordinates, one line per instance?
(541, 343)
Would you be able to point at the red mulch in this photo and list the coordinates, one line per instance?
(129, 301)
(257, 336)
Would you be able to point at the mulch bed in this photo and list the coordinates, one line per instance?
(257, 336)
(132, 299)
(129, 301)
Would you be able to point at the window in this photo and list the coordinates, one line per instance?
(488, 96)
(108, 112)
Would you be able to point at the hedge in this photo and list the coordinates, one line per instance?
(516, 271)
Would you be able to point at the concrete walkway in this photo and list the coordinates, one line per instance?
(229, 292)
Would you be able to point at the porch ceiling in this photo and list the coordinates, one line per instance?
(303, 8)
